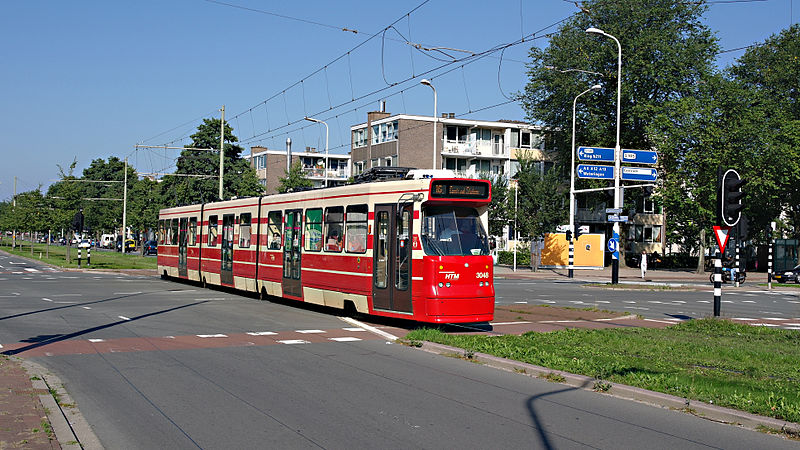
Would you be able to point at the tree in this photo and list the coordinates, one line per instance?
(499, 213)
(294, 179)
(143, 204)
(65, 197)
(239, 178)
(541, 200)
(105, 215)
(666, 53)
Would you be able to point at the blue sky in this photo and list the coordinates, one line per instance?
(90, 79)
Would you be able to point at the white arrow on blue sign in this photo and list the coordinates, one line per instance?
(639, 156)
(638, 174)
(596, 171)
(596, 154)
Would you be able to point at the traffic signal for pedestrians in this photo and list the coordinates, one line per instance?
(731, 197)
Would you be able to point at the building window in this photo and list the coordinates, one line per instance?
(360, 138)
(375, 163)
(388, 161)
(647, 234)
(359, 167)
(456, 134)
(515, 138)
(525, 139)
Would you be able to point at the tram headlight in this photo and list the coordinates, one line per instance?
(480, 283)
(447, 284)
(441, 284)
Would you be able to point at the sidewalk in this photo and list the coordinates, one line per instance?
(630, 275)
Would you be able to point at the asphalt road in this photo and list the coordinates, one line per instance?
(159, 364)
(746, 302)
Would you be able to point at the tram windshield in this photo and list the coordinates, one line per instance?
(453, 230)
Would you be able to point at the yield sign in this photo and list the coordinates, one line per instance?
(721, 235)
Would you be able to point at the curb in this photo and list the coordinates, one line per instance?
(697, 408)
(70, 427)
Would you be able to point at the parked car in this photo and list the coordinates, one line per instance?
(130, 245)
(788, 276)
(151, 248)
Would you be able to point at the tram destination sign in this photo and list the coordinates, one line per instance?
(466, 189)
(599, 154)
(596, 171)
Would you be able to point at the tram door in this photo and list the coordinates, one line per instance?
(226, 270)
(183, 236)
(391, 288)
(292, 240)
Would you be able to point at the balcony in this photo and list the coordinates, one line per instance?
(473, 148)
(318, 173)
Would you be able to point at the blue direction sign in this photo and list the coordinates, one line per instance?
(638, 174)
(639, 156)
(596, 154)
(595, 171)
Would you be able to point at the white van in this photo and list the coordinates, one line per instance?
(107, 241)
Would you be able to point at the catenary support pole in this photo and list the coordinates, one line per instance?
(221, 150)
(124, 206)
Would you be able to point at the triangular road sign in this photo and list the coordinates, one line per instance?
(721, 235)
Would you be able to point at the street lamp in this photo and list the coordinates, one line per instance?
(311, 119)
(596, 87)
(617, 205)
(427, 82)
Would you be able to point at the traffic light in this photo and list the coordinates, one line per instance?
(577, 232)
(731, 195)
(569, 235)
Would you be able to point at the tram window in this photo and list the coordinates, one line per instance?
(381, 265)
(160, 232)
(173, 232)
(313, 236)
(334, 217)
(193, 231)
(244, 230)
(274, 230)
(212, 231)
(356, 229)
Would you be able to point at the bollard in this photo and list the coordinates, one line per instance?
(89, 256)
(79, 255)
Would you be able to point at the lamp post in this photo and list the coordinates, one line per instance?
(617, 196)
(427, 82)
(311, 119)
(572, 181)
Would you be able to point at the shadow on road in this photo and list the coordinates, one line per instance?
(42, 340)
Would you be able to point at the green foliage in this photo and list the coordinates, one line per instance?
(239, 178)
(745, 367)
(294, 179)
(542, 202)
(500, 213)
(507, 258)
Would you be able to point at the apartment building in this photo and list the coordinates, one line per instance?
(468, 147)
(270, 165)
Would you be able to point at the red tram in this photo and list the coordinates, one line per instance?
(414, 249)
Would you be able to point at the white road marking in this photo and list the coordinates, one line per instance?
(742, 318)
(577, 302)
(309, 331)
(637, 307)
(792, 324)
(764, 325)
(602, 301)
(97, 340)
(727, 301)
(628, 301)
(31, 270)
(46, 299)
(659, 321)
(560, 321)
(124, 318)
(67, 295)
(353, 329)
(774, 318)
(64, 303)
(507, 323)
(748, 301)
(86, 307)
(750, 295)
(369, 328)
(212, 335)
(294, 341)
(126, 293)
(345, 339)
(522, 303)
(261, 333)
(678, 301)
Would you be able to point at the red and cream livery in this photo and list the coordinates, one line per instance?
(414, 249)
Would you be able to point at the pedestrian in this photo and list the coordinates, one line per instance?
(643, 263)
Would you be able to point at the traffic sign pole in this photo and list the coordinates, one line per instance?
(717, 283)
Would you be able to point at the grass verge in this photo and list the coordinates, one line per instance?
(749, 368)
(100, 259)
